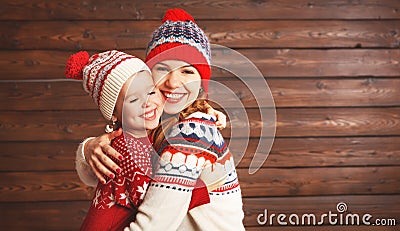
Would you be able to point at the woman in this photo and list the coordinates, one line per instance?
(192, 152)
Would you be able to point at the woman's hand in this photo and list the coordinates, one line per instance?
(98, 152)
(221, 117)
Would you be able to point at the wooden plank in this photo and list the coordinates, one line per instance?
(46, 95)
(68, 215)
(320, 181)
(320, 152)
(285, 152)
(55, 186)
(363, 92)
(38, 156)
(40, 64)
(344, 122)
(235, 9)
(314, 122)
(311, 63)
(102, 35)
(43, 186)
(301, 122)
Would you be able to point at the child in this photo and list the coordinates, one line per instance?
(122, 87)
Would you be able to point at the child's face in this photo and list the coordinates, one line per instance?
(139, 104)
(179, 83)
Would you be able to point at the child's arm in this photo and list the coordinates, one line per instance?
(93, 158)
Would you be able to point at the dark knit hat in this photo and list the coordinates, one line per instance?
(179, 38)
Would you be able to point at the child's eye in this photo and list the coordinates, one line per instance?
(190, 72)
(133, 100)
(152, 93)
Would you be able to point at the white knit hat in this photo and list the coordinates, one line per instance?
(103, 75)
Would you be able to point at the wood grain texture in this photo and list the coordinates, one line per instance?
(43, 186)
(38, 156)
(320, 152)
(301, 122)
(314, 122)
(363, 92)
(285, 152)
(333, 68)
(68, 215)
(236, 9)
(102, 35)
(319, 181)
(266, 182)
(50, 65)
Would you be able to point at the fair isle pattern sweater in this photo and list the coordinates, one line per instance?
(115, 203)
(194, 149)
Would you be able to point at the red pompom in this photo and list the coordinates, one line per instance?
(177, 15)
(75, 65)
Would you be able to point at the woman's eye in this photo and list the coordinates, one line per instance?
(164, 69)
(133, 100)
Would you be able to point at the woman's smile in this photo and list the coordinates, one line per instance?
(173, 97)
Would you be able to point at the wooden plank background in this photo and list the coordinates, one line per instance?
(333, 67)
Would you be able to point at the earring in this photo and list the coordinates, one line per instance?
(110, 127)
(201, 91)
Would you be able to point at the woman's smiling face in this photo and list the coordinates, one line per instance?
(179, 83)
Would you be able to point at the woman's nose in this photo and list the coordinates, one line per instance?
(173, 80)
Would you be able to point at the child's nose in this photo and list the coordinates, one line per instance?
(146, 103)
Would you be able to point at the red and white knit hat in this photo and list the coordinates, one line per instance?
(180, 38)
(103, 75)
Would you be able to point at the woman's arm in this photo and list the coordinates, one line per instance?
(93, 158)
(83, 169)
(221, 117)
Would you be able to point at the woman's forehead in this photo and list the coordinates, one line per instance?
(172, 63)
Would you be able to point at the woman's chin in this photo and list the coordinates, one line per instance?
(174, 108)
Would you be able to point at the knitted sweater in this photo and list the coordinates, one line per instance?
(195, 152)
(115, 203)
(194, 149)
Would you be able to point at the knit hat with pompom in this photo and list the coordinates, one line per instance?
(179, 38)
(103, 75)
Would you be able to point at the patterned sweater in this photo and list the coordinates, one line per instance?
(194, 149)
(195, 152)
(115, 203)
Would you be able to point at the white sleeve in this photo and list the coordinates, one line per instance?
(83, 169)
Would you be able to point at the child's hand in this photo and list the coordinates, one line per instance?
(221, 117)
(98, 152)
